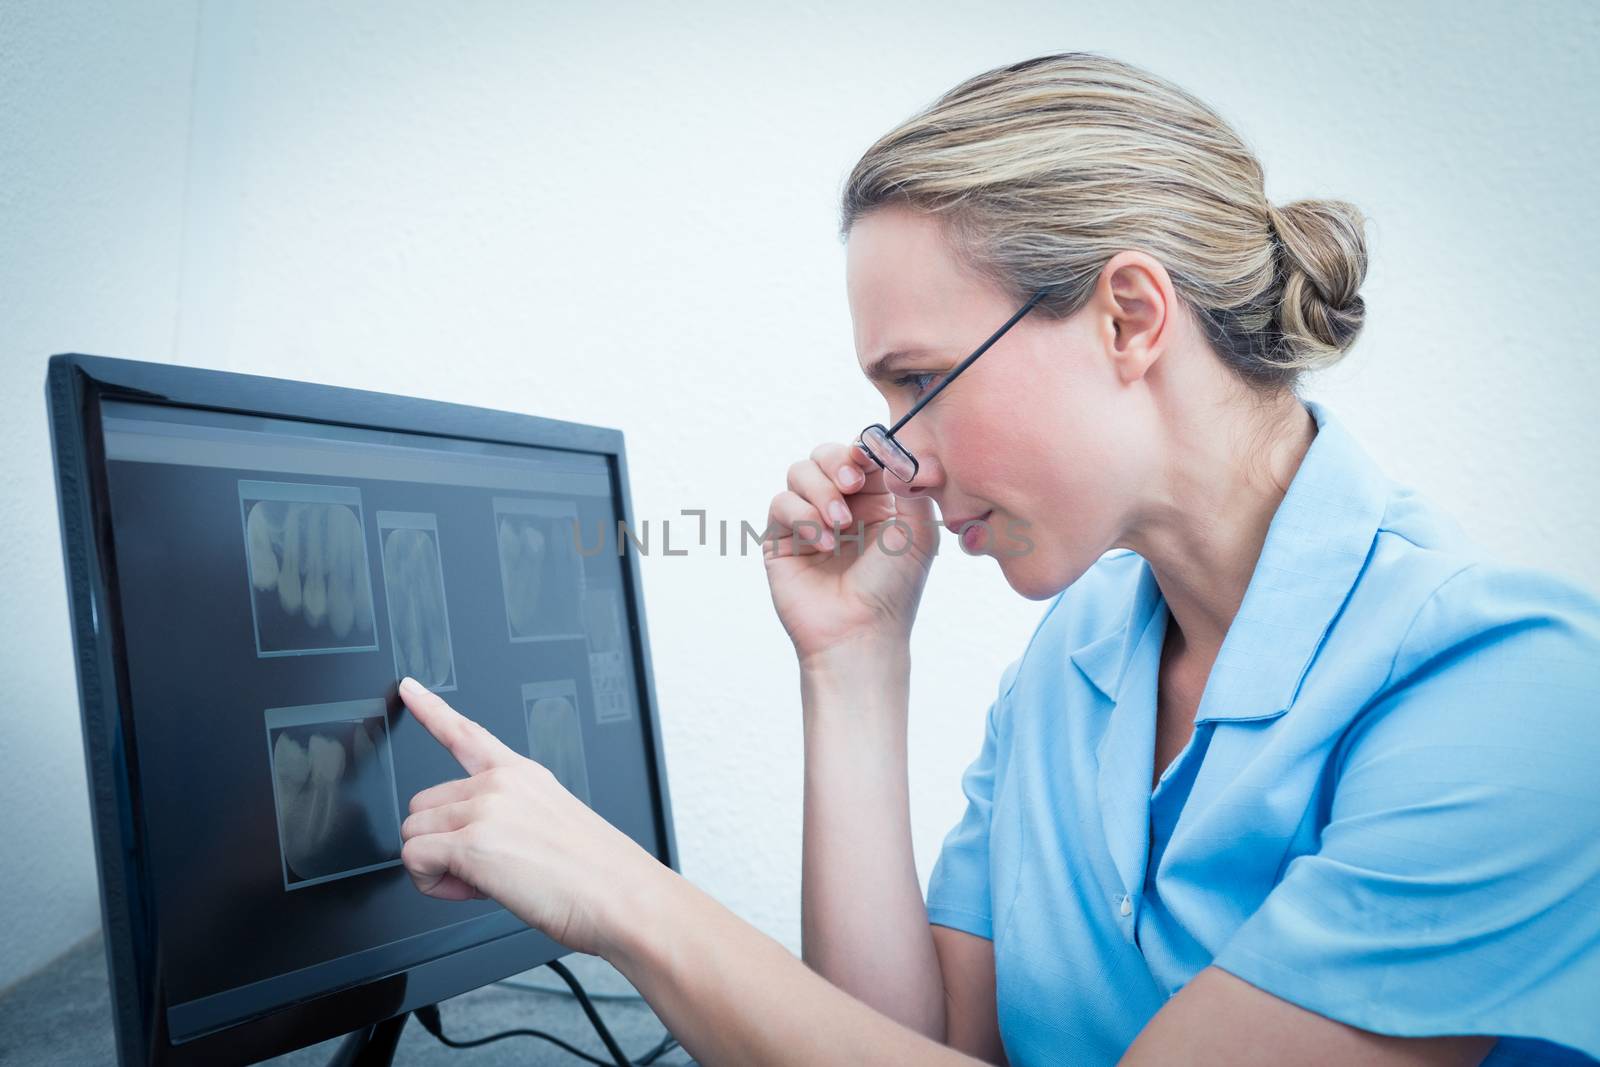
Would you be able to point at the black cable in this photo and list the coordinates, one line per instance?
(661, 1048)
(430, 1018)
(664, 1046)
(620, 1057)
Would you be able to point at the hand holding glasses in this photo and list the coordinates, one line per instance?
(879, 442)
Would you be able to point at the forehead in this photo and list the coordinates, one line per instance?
(908, 290)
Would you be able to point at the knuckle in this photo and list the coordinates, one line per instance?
(787, 507)
(825, 451)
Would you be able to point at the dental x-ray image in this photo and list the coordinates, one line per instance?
(333, 785)
(413, 581)
(555, 736)
(310, 583)
(608, 671)
(541, 572)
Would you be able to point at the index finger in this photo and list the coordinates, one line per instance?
(837, 457)
(474, 747)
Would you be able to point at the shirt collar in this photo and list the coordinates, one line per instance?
(1316, 546)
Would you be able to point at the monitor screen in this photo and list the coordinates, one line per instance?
(273, 579)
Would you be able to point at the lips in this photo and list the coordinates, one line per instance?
(955, 525)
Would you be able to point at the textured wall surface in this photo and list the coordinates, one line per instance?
(94, 144)
(630, 221)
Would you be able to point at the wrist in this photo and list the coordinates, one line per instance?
(864, 689)
(642, 917)
(857, 662)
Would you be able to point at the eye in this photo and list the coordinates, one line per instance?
(917, 383)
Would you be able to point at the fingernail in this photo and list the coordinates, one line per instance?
(849, 476)
(409, 684)
(825, 540)
(839, 513)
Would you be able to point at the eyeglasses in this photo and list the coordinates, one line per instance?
(879, 442)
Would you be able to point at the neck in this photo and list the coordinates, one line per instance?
(1202, 526)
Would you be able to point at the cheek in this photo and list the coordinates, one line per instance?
(1057, 462)
(1059, 490)
(980, 464)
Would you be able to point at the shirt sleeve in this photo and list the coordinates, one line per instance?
(1456, 885)
(958, 888)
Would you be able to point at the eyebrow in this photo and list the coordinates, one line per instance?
(881, 367)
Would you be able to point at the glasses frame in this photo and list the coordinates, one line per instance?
(890, 431)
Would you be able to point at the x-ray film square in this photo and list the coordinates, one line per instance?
(306, 568)
(413, 583)
(541, 572)
(333, 789)
(555, 734)
(608, 667)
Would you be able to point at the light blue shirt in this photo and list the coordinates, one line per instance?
(1388, 813)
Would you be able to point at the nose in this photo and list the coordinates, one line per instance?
(929, 475)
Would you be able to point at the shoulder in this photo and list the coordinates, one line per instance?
(1461, 608)
(1498, 649)
(1489, 613)
(1416, 550)
(1427, 587)
(1496, 677)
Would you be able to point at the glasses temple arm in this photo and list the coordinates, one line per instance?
(964, 364)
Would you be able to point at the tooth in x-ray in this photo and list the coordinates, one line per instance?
(414, 586)
(334, 787)
(540, 571)
(555, 735)
(308, 568)
(313, 556)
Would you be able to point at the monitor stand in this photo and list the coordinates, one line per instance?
(371, 1046)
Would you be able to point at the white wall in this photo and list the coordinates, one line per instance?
(629, 221)
(94, 136)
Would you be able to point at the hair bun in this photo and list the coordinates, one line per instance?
(1324, 249)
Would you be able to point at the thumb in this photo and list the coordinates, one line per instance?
(916, 521)
(427, 860)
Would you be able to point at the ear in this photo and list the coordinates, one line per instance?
(1136, 303)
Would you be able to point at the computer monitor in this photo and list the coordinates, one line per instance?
(252, 564)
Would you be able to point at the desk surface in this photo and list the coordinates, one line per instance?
(62, 1015)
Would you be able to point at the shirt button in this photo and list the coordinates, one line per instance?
(1127, 906)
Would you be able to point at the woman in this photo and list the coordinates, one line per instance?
(1286, 773)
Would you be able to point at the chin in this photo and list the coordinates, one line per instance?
(1033, 577)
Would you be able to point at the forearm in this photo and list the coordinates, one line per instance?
(864, 926)
(733, 995)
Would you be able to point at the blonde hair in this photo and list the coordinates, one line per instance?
(1045, 169)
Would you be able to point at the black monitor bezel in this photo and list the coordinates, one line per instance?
(75, 386)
